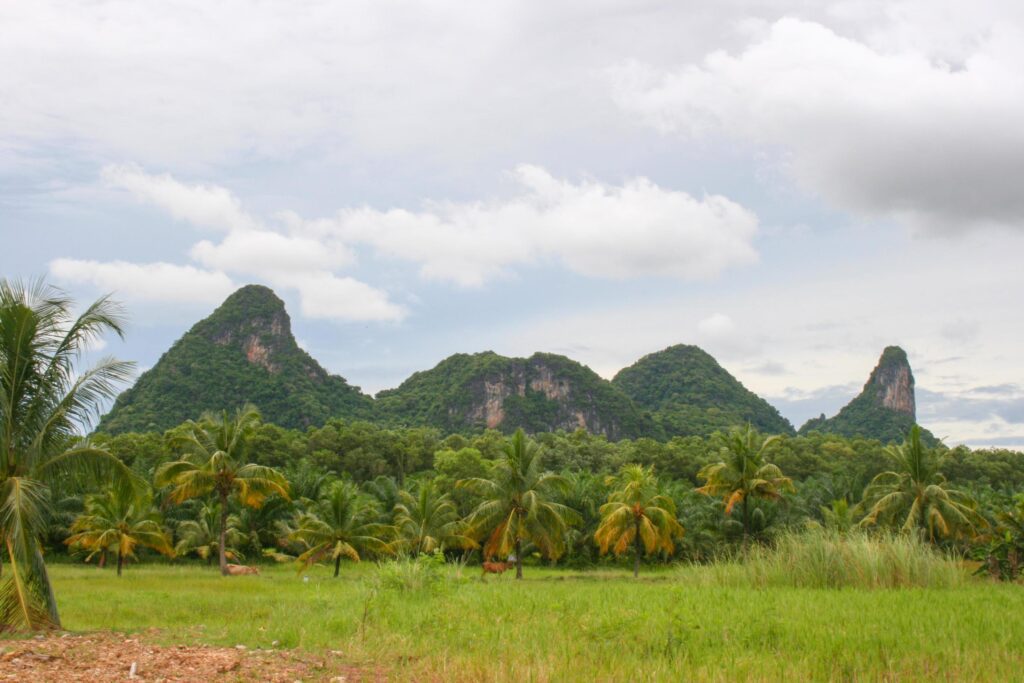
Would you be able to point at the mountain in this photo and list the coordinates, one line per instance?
(884, 410)
(688, 392)
(243, 353)
(544, 392)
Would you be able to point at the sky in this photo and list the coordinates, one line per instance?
(790, 185)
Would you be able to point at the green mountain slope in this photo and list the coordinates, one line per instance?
(243, 353)
(688, 392)
(886, 408)
(544, 392)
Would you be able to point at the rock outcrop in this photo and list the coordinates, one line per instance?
(545, 392)
(884, 410)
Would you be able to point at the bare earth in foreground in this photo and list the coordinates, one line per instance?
(109, 657)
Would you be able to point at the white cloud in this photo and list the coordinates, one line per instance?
(880, 130)
(163, 282)
(717, 326)
(249, 248)
(264, 252)
(633, 230)
(326, 296)
(205, 206)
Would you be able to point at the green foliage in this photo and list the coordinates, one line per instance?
(572, 627)
(637, 515)
(341, 525)
(916, 497)
(545, 392)
(428, 521)
(689, 393)
(519, 505)
(825, 559)
(44, 399)
(745, 476)
(118, 520)
(424, 573)
(244, 353)
(214, 465)
(202, 536)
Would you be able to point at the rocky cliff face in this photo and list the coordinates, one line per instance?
(545, 392)
(884, 410)
(893, 382)
(242, 353)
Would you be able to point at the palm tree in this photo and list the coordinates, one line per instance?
(916, 496)
(519, 504)
(343, 524)
(428, 520)
(637, 514)
(744, 473)
(202, 535)
(45, 402)
(215, 450)
(119, 519)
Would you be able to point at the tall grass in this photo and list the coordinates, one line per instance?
(825, 559)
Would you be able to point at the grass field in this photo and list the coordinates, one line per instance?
(680, 624)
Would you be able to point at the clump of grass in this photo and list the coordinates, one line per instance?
(424, 573)
(824, 559)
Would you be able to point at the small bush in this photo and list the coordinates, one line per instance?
(819, 558)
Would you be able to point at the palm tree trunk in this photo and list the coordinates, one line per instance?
(519, 559)
(103, 560)
(637, 548)
(120, 561)
(337, 565)
(223, 534)
(44, 581)
(746, 520)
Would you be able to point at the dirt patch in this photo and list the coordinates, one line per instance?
(118, 657)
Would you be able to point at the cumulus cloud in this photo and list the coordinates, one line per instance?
(636, 229)
(205, 206)
(249, 248)
(165, 282)
(327, 296)
(599, 230)
(263, 252)
(892, 131)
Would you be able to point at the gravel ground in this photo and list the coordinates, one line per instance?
(94, 657)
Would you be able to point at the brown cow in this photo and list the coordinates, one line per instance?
(496, 568)
(240, 569)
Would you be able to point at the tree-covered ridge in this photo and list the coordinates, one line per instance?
(688, 392)
(243, 353)
(545, 392)
(884, 410)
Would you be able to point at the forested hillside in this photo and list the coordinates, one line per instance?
(688, 392)
(243, 353)
(545, 392)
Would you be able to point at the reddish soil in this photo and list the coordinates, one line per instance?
(97, 657)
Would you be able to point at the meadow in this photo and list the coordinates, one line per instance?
(719, 622)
